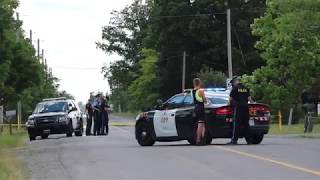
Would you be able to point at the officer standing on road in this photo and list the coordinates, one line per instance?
(104, 116)
(239, 97)
(97, 114)
(199, 99)
(90, 114)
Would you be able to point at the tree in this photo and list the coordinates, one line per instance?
(124, 36)
(22, 77)
(212, 78)
(176, 26)
(143, 91)
(290, 42)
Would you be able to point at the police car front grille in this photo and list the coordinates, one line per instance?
(46, 120)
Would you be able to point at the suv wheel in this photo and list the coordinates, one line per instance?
(79, 132)
(70, 129)
(32, 137)
(44, 136)
(143, 134)
(254, 138)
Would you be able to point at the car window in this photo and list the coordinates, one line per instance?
(51, 106)
(176, 99)
(219, 100)
(188, 100)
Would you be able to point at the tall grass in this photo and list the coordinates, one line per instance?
(10, 167)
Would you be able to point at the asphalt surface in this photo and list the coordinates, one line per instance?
(118, 156)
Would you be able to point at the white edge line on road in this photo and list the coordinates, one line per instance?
(288, 165)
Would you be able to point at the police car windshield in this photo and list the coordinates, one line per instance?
(51, 106)
(219, 100)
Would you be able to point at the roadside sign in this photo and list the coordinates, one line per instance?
(229, 85)
(11, 113)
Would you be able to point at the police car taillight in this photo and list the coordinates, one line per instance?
(227, 110)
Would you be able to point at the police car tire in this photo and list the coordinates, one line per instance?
(44, 136)
(70, 129)
(147, 140)
(32, 137)
(79, 132)
(254, 138)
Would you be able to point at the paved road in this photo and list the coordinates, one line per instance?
(118, 156)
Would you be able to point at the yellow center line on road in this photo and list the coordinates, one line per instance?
(288, 165)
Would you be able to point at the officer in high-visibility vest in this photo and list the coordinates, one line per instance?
(199, 99)
(239, 97)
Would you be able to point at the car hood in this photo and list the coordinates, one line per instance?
(48, 114)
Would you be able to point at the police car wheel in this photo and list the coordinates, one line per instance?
(32, 138)
(254, 138)
(70, 129)
(44, 136)
(80, 130)
(143, 134)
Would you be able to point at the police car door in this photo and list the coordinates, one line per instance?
(164, 120)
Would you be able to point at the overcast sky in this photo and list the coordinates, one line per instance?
(68, 30)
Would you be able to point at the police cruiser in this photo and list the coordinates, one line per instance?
(174, 120)
(55, 116)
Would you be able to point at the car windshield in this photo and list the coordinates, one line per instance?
(223, 100)
(46, 107)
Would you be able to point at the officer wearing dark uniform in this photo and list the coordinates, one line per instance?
(104, 116)
(239, 97)
(97, 114)
(89, 117)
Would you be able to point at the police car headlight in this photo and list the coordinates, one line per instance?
(63, 119)
(30, 122)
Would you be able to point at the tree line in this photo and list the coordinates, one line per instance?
(23, 77)
(275, 47)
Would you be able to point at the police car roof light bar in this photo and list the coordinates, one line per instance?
(54, 99)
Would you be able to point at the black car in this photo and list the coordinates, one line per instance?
(55, 116)
(174, 120)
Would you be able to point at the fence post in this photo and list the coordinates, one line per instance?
(290, 117)
(280, 120)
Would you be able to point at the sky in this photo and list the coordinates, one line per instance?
(68, 30)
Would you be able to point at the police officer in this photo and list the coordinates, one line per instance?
(97, 114)
(90, 114)
(239, 97)
(104, 116)
(199, 99)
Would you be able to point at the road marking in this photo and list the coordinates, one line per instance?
(288, 165)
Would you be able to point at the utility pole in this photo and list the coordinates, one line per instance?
(18, 30)
(30, 36)
(184, 70)
(229, 43)
(38, 43)
(42, 55)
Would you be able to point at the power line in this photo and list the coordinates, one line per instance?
(76, 68)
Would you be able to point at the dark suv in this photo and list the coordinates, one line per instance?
(55, 116)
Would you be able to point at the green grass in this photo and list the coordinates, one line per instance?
(293, 129)
(10, 167)
(126, 114)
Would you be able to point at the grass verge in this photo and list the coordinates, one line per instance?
(126, 114)
(10, 167)
(294, 129)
